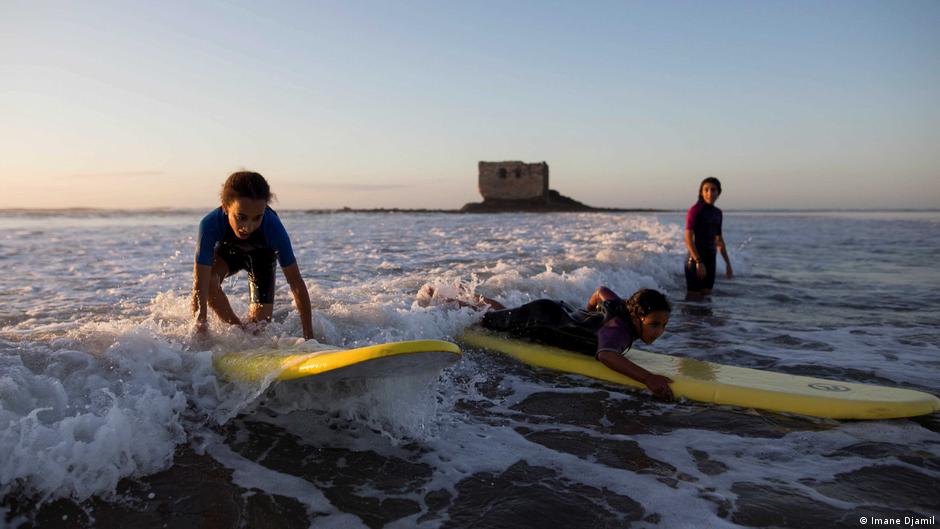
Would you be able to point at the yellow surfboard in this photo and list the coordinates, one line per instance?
(310, 359)
(719, 384)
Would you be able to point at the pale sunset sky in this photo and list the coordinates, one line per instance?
(792, 104)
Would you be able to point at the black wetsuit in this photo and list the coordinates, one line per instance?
(705, 222)
(561, 325)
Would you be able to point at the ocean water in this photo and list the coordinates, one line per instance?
(111, 414)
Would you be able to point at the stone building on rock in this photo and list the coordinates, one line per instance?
(519, 186)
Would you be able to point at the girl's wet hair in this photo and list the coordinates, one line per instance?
(245, 184)
(646, 301)
(709, 180)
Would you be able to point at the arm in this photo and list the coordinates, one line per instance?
(206, 291)
(201, 275)
(301, 298)
(700, 269)
(207, 236)
(657, 384)
(277, 237)
(600, 295)
(720, 244)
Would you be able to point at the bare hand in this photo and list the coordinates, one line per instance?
(700, 270)
(659, 386)
(200, 339)
(729, 273)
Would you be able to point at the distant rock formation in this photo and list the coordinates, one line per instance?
(519, 186)
(554, 201)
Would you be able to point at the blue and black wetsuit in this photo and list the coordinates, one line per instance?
(257, 254)
(705, 222)
(561, 325)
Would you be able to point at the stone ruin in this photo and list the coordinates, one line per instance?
(519, 186)
(513, 180)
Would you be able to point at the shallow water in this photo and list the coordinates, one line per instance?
(113, 416)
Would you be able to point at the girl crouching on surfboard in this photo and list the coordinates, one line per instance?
(606, 329)
(245, 234)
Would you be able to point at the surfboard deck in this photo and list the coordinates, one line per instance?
(727, 385)
(310, 359)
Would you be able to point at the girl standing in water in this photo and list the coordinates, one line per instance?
(245, 234)
(703, 240)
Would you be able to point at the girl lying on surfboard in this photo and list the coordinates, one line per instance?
(606, 329)
(245, 234)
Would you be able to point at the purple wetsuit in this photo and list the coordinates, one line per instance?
(615, 335)
(705, 222)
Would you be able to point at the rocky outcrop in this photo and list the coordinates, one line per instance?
(519, 186)
(552, 201)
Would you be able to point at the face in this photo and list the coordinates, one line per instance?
(653, 325)
(244, 215)
(710, 193)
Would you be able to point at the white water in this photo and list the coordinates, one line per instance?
(100, 380)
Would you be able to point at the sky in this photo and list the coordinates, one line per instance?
(792, 104)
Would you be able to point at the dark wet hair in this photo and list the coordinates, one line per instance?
(646, 301)
(709, 180)
(245, 184)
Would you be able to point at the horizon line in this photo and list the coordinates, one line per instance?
(170, 209)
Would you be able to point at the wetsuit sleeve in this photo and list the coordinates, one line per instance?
(276, 236)
(612, 308)
(721, 217)
(692, 216)
(614, 336)
(210, 232)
